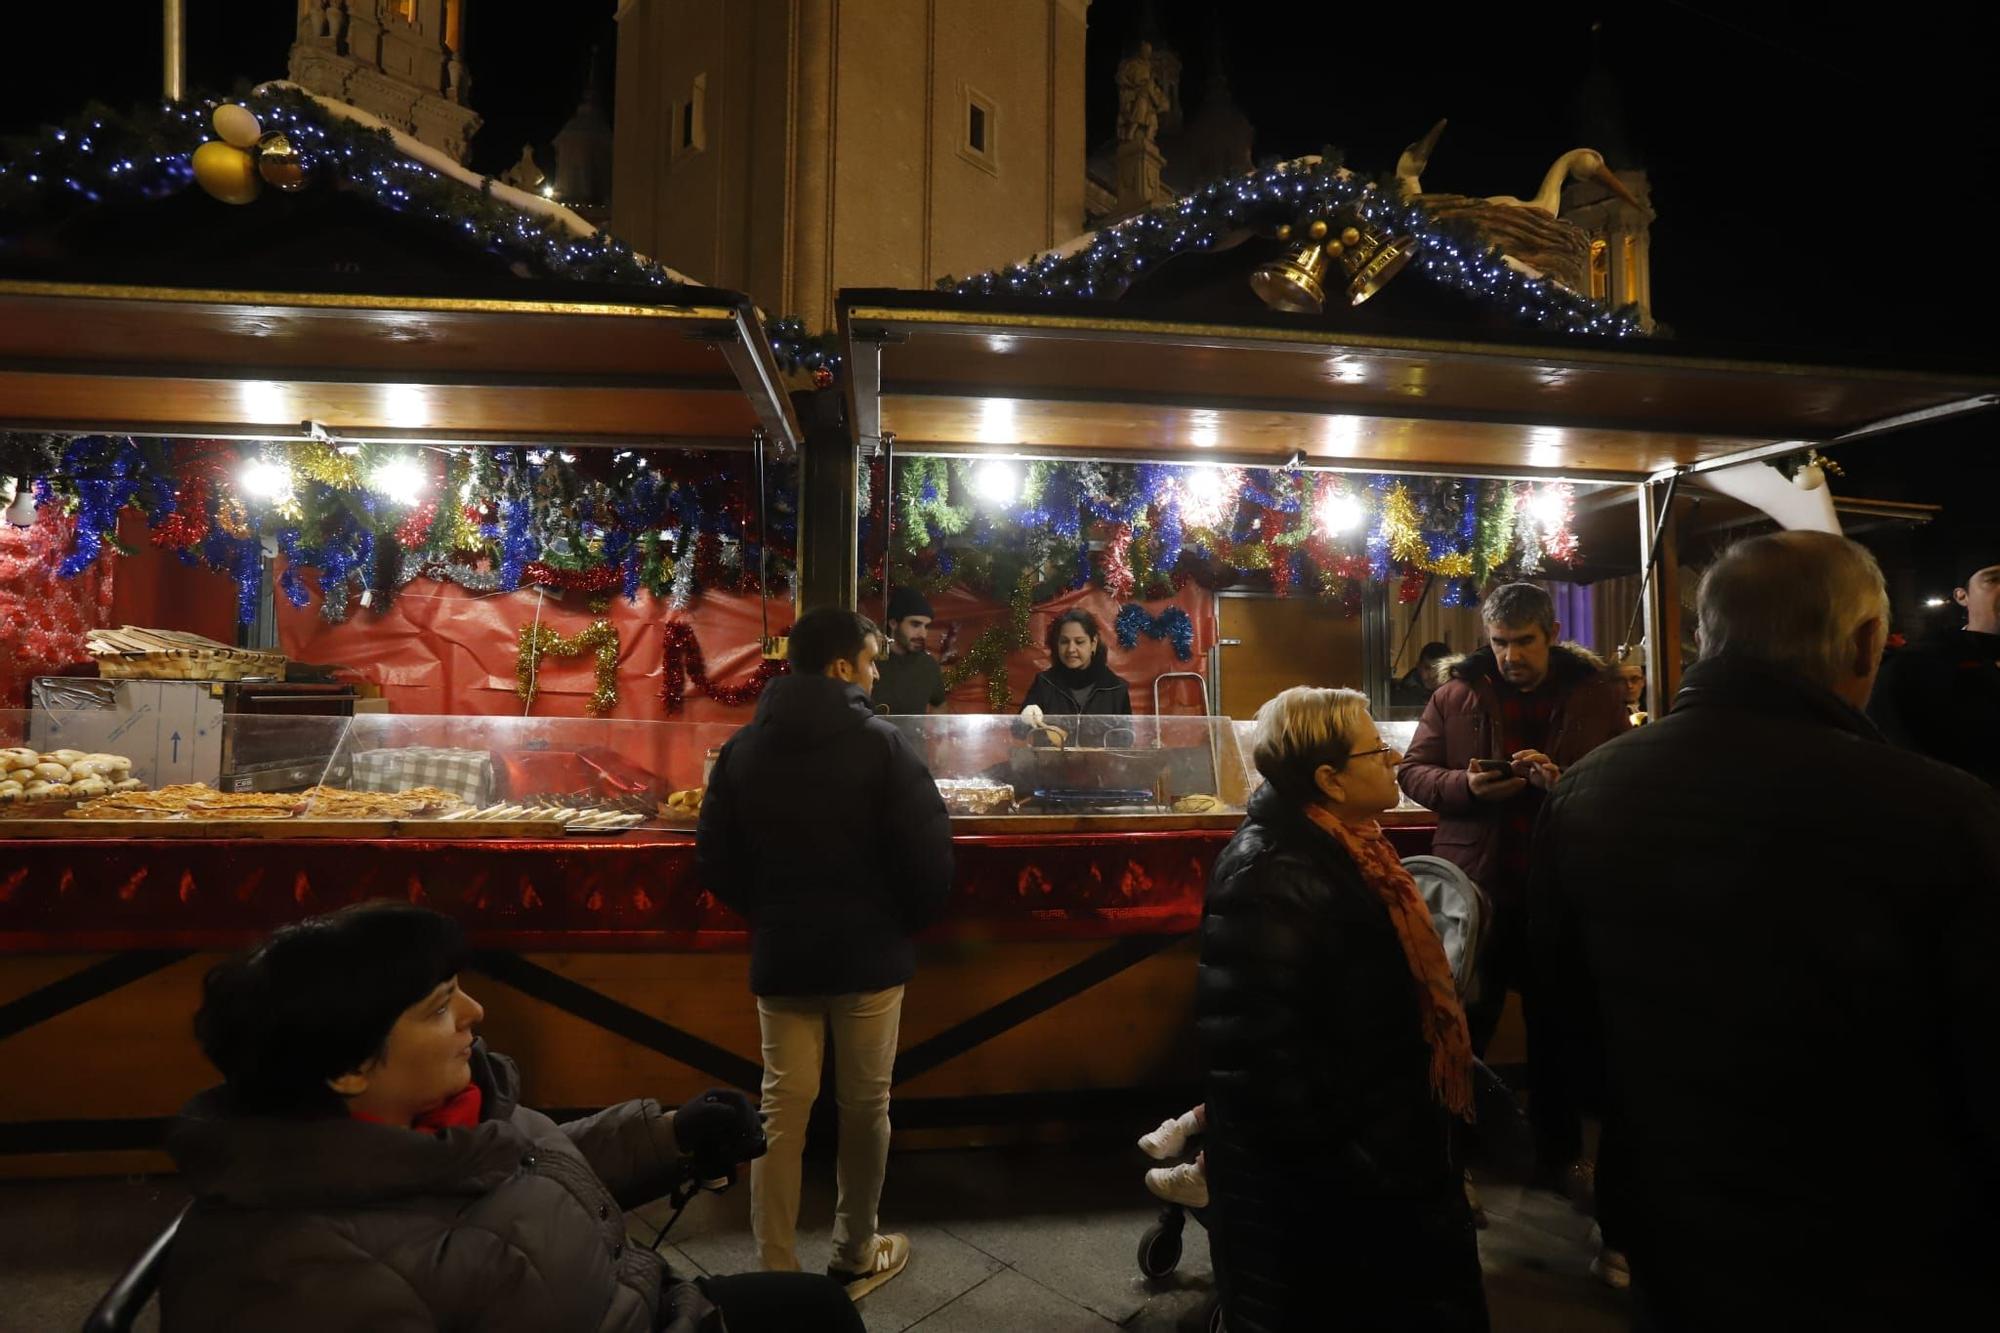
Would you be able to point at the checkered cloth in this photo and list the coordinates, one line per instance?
(466, 773)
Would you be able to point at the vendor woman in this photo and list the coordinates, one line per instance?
(1077, 680)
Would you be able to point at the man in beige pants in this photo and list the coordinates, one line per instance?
(824, 829)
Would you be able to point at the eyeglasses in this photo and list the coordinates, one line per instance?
(1363, 754)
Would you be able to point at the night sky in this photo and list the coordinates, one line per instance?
(1826, 184)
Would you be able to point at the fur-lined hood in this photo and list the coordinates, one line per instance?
(1569, 663)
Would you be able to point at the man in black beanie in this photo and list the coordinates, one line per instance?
(1941, 696)
(911, 682)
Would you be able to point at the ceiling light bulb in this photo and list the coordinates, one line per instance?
(997, 481)
(399, 480)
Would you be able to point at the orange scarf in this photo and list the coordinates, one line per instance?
(1440, 1015)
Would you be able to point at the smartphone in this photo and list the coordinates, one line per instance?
(1493, 766)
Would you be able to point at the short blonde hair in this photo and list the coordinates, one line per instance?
(1302, 728)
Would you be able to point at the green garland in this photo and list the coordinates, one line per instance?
(989, 652)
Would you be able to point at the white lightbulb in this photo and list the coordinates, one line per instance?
(1933, 601)
(1341, 513)
(1548, 507)
(399, 480)
(267, 480)
(1204, 495)
(997, 481)
(21, 513)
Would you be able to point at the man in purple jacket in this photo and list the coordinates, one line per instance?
(1494, 740)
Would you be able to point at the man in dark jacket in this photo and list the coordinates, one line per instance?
(1941, 696)
(824, 829)
(1531, 707)
(1762, 943)
(911, 681)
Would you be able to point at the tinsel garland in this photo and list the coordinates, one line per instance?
(989, 652)
(1173, 624)
(538, 640)
(682, 662)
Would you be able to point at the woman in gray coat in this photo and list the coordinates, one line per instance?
(367, 1163)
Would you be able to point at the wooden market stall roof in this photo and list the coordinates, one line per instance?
(544, 362)
(1063, 378)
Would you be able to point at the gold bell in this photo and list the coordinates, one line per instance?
(1294, 283)
(1370, 259)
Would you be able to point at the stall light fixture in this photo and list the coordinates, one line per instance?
(399, 480)
(1933, 601)
(997, 481)
(1204, 495)
(1340, 514)
(266, 480)
(1547, 507)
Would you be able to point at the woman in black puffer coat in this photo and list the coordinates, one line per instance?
(1335, 1051)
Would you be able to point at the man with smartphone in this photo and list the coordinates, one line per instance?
(1494, 740)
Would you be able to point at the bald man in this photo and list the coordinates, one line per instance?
(1762, 937)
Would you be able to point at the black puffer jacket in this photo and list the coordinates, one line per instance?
(825, 830)
(1941, 697)
(1764, 944)
(1335, 1200)
(334, 1224)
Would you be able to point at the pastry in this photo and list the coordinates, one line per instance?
(64, 756)
(52, 772)
(127, 784)
(17, 757)
(89, 786)
(1197, 805)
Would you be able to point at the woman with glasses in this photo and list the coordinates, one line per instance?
(1335, 1049)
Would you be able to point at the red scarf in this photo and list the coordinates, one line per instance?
(1439, 1013)
(459, 1111)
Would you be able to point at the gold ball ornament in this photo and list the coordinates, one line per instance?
(1333, 249)
(1284, 231)
(225, 171)
(279, 163)
(1351, 236)
(237, 126)
(1317, 231)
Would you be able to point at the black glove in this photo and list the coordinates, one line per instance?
(719, 1129)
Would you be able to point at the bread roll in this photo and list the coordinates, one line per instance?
(18, 757)
(52, 772)
(64, 756)
(127, 784)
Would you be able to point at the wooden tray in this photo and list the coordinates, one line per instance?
(18, 810)
(280, 829)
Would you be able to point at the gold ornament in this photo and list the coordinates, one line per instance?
(1350, 236)
(279, 163)
(327, 466)
(538, 641)
(1284, 231)
(227, 172)
(1370, 260)
(1294, 282)
(232, 518)
(1317, 231)
(1332, 249)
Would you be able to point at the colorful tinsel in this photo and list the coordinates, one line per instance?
(682, 662)
(539, 640)
(988, 654)
(1173, 624)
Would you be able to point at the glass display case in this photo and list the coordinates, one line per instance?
(1398, 734)
(1143, 769)
(103, 769)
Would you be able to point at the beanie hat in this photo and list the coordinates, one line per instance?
(907, 601)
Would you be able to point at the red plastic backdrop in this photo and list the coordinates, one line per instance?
(43, 616)
(441, 649)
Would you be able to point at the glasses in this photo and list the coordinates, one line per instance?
(1363, 754)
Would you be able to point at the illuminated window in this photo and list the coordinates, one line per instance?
(406, 10)
(1628, 277)
(1600, 270)
(453, 21)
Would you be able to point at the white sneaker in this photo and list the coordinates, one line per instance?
(1610, 1268)
(1186, 1184)
(887, 1256)
(1170, 1139)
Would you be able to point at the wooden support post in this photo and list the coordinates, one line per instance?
(829, 489)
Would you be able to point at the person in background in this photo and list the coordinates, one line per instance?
(1077, 680)
(1762, 944)
(1336, 1053)
(825, 831)
(1494, 740)
(1413, 689)
(367, 1164)
(1632, 680)
(1941, 696)
(911, 682)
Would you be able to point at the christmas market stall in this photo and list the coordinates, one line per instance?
(370, 531)
(1220, 424)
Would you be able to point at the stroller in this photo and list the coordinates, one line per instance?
(1459, 913)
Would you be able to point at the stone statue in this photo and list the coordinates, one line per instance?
(1141, 99)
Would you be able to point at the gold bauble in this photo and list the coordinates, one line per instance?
(1351, 236)
(279, 163)
(1284, 231)
(1317, 231)
(227, 172)
(1333, 249)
